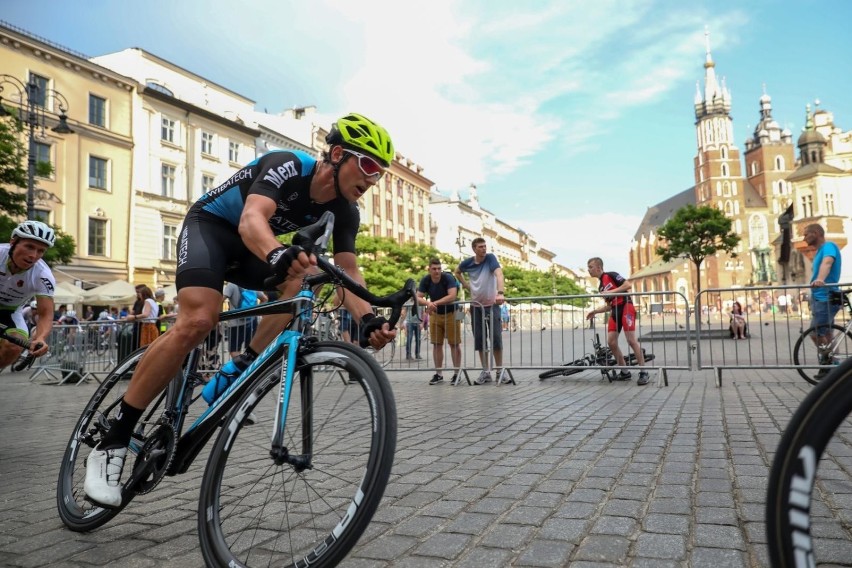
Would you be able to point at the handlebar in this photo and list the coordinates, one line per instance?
(314, 239)
(19, 341)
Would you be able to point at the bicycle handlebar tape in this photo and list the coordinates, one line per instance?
(369, 324)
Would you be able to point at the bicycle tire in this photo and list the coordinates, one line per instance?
(793, 475)
(565, 371)
(804, 352)
(385, 355)
(247, 499)
(76, 511)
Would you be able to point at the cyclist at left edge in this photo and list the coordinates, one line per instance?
(23, 275)
(229, 234)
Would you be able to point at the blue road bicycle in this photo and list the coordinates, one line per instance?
(296, 471)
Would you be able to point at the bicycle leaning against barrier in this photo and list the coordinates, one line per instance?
(601, 356)
(814, 359)
(296, 472)
(798, 498)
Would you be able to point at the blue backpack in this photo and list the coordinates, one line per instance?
(248, 298)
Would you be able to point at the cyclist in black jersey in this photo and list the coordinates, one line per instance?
(229, 234)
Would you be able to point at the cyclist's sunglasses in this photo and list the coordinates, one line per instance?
(368, 166)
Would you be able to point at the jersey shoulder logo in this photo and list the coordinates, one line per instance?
(47, 285)
(277, 176)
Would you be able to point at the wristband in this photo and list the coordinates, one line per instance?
(367, 317)
(273, 255)
(499, 291)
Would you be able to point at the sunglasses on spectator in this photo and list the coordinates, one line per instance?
(368, 166)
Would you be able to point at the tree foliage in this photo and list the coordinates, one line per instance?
(696, 233)
(13, 204)
(386, 264)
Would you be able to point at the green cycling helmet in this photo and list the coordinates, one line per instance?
(359, 133)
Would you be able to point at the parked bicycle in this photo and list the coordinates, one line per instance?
(798, 498)
(296, 471)
(601, 356)
(814, 361)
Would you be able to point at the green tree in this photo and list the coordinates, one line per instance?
(696, 233)
(13, 174)
(386, 264)
(521, 282)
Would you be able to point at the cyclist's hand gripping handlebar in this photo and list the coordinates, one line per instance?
(312, 239)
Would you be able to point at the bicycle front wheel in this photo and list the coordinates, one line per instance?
(805, 352)
(309, 506)
(564, 371)
(797, 499)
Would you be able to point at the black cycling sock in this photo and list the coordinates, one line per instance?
(119, 433)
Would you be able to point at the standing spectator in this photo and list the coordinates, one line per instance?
(482, 275)
(147, 319)
(825, 298)
(89, 314)
(623, 316)
(442, 290)
(782, 302)
(348, 329)
(412, 330)
(160, 297)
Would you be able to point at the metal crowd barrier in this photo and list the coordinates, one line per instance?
(776, 317)
(538, 333)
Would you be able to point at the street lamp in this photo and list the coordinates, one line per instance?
(33, 117)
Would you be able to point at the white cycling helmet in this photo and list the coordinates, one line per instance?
(33, 304)
(35, 230)
(71, 314)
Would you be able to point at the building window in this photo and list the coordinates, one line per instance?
(170, 233)
(168, 179)
(207, 143)
(97, 237)
(39, 97)
(42, 154)
(724, 152)
(167, 132)
(97, 111)
(97, 172)
(754, 168)
(207, 183)
(43, 215)
(807, 206)
(779, 163)
(829, 204)
(234, 152)
(725, 170)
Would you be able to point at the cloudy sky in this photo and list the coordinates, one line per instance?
(571, 117)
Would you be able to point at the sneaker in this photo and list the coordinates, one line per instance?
(436, 378)
(484, 377)
(455, 380)
(103, 476)
(506, 379)
(643, 378)
(418, 357)
(821, 374)
(624, 376)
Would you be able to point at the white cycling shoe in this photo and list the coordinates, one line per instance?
(103, 476)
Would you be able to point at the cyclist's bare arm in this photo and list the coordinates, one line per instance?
(38, 341)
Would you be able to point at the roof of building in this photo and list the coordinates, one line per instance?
(658, 214)
(811, 170)
(659, 266)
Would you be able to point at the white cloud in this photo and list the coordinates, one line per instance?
(472, 91)
(576, 239)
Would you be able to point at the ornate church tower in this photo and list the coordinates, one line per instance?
(718, 174)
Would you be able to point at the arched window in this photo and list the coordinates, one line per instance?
(719, 188)
(729, 209)
(754, 168)
(725, 170)
(779, 163)
(724, 152)
(726, 189)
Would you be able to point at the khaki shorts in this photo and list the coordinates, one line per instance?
(444, 326)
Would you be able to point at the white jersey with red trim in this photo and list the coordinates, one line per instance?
(18, 289)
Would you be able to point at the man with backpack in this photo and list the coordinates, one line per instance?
(441, 289)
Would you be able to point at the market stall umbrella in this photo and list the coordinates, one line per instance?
(66, 293)
(112, 293)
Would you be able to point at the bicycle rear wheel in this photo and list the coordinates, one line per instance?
(342, 419)
(78, 513)
(805, 352)
(797, 498)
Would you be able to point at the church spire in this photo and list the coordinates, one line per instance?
(717, 98)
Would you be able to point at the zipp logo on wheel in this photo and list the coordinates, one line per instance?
(800, 504)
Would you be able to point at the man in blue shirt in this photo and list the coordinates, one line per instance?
(825, 302)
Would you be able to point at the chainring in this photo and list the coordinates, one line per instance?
(157, 454)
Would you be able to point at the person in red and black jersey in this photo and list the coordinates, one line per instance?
(622, 316)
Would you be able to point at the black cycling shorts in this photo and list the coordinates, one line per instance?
(211, 251)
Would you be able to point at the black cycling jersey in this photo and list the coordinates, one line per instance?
(210, 247)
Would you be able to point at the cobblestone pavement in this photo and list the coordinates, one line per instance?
(542, 473)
